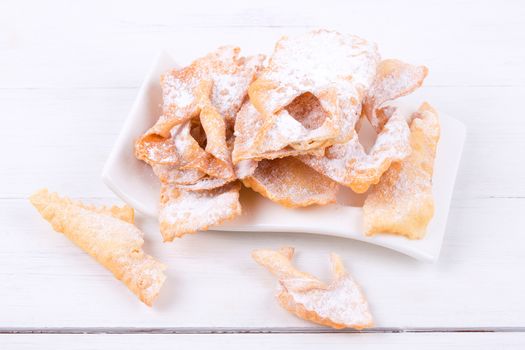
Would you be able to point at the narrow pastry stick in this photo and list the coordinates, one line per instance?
(109, 236)
(402, 202)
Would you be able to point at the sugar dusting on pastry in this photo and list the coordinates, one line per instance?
(349, 164)
(114, 243)
(402, 202)
(291, 183)
(184, 211)
(338, 304)
(227, 117)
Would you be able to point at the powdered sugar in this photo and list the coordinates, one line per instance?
(342, 302)
(339, 304)
(394, 79)
(402, 202)
(289, 182)
(335, 69)
(184, 211)
(318, 61)
(245, 168)
(351, 166)
(228, 73)
(114, 243)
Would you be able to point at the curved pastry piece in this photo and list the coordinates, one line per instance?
(394, 79)
(245, 168)
(275, 144)
(197, 145)
(402, 202)
(183, 211)
(199, 106)
(170, 174)
(349, 164)
(205, 183)
(197, 168)
(108, 235)
(291, 183)
(310, 93)
(339, 304)
(191, 179)
(182, 91)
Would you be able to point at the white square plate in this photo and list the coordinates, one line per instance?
(134, 182)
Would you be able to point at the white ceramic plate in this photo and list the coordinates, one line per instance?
(134, 182)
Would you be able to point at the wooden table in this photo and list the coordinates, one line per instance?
(68, 75)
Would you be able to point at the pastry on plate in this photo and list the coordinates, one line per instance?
(185, 211)
(288, 128)
(308, 96)
(350, 165)
(393, 79)
(402, 202)
(291, 183)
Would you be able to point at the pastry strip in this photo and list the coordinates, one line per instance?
(402, 202)
(108, 235)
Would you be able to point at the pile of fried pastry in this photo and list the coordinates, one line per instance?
(288, 129)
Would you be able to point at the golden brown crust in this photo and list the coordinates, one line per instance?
(350, 165)
(108, 235)
(184, 211)
(291, 183)
(307, 97)
(339, 304)
(394, 79)
(199, 106)
(246, 146)
(402, 203)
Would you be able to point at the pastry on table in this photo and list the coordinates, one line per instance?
(338, 304)
(109, 236)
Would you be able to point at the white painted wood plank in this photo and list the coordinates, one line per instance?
(406, 341)
(60, 138)
(67, 79)
(212, 281)
(101, 44)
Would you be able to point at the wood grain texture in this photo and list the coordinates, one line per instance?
(406, 341)
(213, 282)
(106, 43)
(69, 74)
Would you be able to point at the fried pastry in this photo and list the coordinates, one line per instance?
(197, 145)
(247, 125)
(184, 211)
(309, 96)
(402, 202)
(109, 236)
(339, 304)
(229, 76)
(199, 106)
(291, 183)
(245, 168)
(349, 164)
(171, 174)
(394, 79)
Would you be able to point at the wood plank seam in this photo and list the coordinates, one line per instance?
(269, 330)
